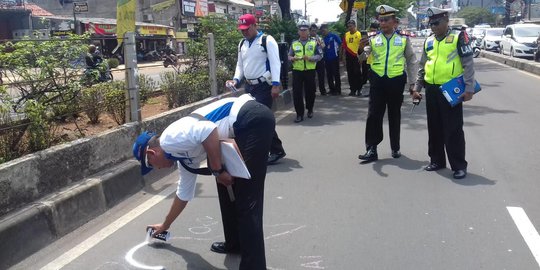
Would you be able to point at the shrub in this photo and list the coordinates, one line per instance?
(147, 85)
(40, 130)
(113, 62)
(115, 100)
(91, 100)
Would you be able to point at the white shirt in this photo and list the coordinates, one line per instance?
(252, 59)
(183, 138)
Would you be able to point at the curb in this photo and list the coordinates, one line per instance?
(522, 64)
(34, 227)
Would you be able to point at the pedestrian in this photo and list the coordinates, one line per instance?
(313, 33)
(351, 45)
(192, 139)
(445, 123)
(332, 44)
(259, 64)
(304, 54)
(365, 60)
(393, 65)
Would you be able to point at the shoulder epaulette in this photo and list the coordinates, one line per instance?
(403, 33)
(372, 34)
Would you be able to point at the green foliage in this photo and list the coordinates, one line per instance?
(169, 87)
(113, 62)
(147, 85)
(277, 26)
(184, 88)
(11, 130)
(476, 15)
(91, 100)
(115, 100)
(39, 128)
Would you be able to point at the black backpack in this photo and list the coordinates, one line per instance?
(263, 43)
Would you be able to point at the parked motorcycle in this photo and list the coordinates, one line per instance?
(476, 45)
(170, 60)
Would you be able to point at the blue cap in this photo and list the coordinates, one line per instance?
(139, 150)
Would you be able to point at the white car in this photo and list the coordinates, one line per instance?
(518, 40)
(491, 39)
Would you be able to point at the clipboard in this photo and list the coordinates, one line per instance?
(234, 164)
(454, 88)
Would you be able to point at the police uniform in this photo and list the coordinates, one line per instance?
(250, 123)
(390, 55)
(443, 59)
(304, 74)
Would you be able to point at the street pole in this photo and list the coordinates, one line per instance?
(305, 9)
(212, 64)
(133, 111)
(75, 22)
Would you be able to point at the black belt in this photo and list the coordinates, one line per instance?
(255, 81)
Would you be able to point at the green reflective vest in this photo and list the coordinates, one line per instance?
(388, 56)
(301, 50)
(443, 62)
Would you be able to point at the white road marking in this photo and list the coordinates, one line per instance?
(92, 241)
(133, 262)
(527, 230)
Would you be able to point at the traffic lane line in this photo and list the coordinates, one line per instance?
(527, 230)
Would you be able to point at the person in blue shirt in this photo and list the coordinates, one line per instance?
(331, 55)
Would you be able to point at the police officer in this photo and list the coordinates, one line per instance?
(390, 51)
(313, 33)
(446, 55)
(304, 54)
(194, 138)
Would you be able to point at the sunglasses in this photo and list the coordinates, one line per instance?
(435, 23)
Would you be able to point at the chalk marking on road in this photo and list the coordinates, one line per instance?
(93, 240)
(285, 232)
(133, 262)
(527, 230)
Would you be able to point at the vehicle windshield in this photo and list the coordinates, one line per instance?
(494, 32)
(532, 31)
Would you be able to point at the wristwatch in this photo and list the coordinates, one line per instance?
(216, 173)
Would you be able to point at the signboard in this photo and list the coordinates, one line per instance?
(359, 5)
(80, 7)
(61, 33)
(201, 8)
(343, 5)
(101, 29)
(188, 8)
(152, 30)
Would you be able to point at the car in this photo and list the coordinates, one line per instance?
(491, 39)
(478, 30)
(518, 40)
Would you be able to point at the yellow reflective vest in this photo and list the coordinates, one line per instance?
(388, 55)
(301, 50)
(443, 62)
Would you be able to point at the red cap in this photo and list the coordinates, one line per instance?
(245, 21)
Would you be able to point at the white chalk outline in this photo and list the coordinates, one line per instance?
(135, 263)
(527, 230)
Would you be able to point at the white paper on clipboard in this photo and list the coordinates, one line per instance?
(233, 161)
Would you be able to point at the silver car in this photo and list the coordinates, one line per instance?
(492, 38)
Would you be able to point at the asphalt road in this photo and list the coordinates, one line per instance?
(325, 210)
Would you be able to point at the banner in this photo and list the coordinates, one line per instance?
(152, 30)
(125, 17)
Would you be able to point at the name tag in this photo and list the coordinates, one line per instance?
(429, 45)
(398, 42)
(449, 39)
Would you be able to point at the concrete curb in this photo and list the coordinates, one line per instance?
(26, 231)
(523, 64)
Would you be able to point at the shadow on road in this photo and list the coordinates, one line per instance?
(284, 165)
(403, 162)
(471, 179)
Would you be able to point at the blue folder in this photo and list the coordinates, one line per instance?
(454, 88)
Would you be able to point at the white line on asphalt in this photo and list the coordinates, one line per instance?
(92, 241)
(527, 230)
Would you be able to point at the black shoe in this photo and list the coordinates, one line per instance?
(396, 154)
(370, 155)
(460, 174)
(221, 247)
(299, 119)
(352, 93)
(310, 115)
(273, 158)
(323, 94)
(433, 167)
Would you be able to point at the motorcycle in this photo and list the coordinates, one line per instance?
(476, 46)
(98, 74)
(170, 60)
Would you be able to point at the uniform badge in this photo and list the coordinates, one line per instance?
(382, 10)
(449, 39)
(429, 45)
(378, 41)
(398, 42)
(456, 90)
(430, 12)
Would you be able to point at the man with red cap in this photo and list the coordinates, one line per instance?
(260, 67)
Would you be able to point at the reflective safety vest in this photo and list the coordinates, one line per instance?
(388, 56)
(301, 50)
(443, 62)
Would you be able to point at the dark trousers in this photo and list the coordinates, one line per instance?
(333, 76)
(262, 93)
(384, 93)
(365, 72)
(303, 86)
(243, 218)
(354, 73)
(445, 130)
(320, 76)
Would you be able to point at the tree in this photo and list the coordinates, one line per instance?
(476, 15)
(285, 6)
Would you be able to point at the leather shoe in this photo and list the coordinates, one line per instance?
(310, 115)
(273, 158)
(433, 167)
(370, 155)
(396, 154)
(299, 119)
(221, 247)
(460, 174)
(352, 93)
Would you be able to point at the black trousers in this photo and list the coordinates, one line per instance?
(365, 72)
(262, 93)
(384, 93)
(333, 76)
(303, 86)
(320, 76)
(354, 73)
(445, 130)
(243, 218)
